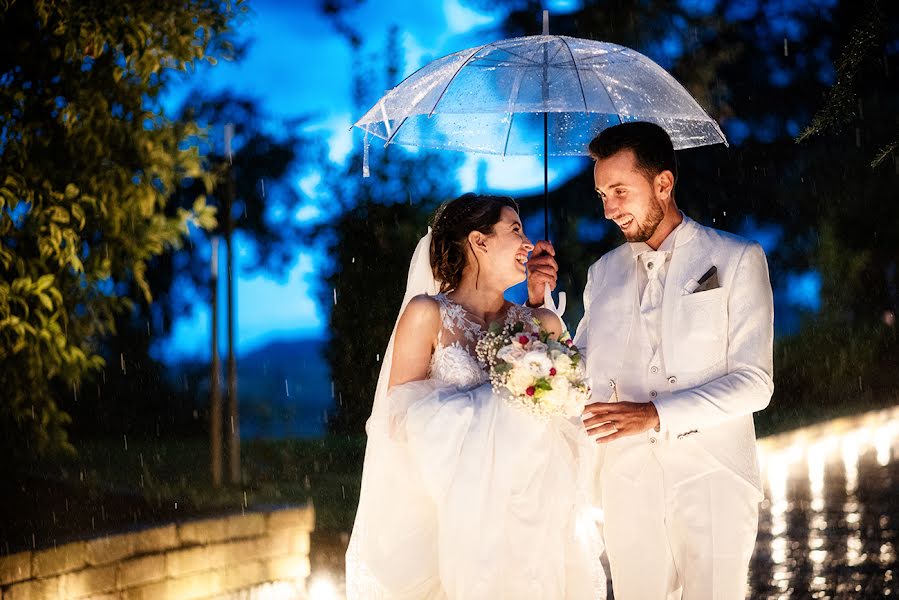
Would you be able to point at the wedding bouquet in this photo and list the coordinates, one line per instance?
(534, 372)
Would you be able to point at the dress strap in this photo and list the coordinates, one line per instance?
(518, 312)
(455, 320)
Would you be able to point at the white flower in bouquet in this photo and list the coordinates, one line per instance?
(562, 363)
(538, 362)
(579, 370)
(558, 395)
(520, 378)
(511, 353)
(538, 346)
(577, 399)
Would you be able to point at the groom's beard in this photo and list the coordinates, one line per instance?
(648, 227)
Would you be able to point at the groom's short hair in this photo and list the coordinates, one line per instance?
(650, 144)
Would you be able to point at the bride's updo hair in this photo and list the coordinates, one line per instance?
(452, 223)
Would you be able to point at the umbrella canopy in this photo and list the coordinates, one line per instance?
(492, 99)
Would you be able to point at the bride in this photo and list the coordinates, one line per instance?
(463, 495)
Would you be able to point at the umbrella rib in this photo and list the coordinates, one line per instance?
(548, 64)
(392, 135)
(419, 69)
(450, 82)
(508, 134)
(578, 73)
(523, 44)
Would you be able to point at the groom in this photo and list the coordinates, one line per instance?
(678, 337)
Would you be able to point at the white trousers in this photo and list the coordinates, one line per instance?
(671, 537)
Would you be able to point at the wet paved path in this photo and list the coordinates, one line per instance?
(829, 526)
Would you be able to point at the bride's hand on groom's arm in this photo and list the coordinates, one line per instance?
(607, 421)
(542, 269)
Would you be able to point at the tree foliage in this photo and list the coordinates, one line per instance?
(87, 164)
(864, 57)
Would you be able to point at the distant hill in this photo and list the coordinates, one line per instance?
(284, 388)
(289, 355)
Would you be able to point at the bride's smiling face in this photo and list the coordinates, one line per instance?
(507, 250)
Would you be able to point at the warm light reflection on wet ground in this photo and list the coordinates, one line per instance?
(830, 521)
(829, 525)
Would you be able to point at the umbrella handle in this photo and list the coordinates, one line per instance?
(549, 303)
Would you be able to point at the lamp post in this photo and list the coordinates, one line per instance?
(233, 431)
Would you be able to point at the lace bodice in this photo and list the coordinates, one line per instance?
(454, 360)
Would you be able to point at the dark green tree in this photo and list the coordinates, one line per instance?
(865, 57)
(88, 162)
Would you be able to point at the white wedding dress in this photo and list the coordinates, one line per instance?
(465, 497)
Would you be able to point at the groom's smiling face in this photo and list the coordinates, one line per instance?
(631, 197)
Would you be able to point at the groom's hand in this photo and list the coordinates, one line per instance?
(542, 269)
(607, 421)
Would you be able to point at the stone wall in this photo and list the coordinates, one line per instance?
(219, 558)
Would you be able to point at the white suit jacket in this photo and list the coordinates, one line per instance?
(717, 344)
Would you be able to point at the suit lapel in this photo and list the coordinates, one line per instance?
(613, 310)
(625, 304)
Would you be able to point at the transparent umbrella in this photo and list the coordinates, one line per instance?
(492, 99)
(535, 95)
